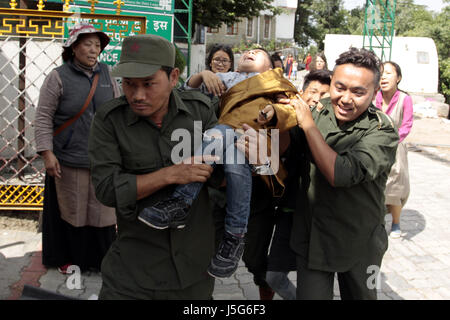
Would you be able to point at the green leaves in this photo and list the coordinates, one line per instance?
(213, 13)
(317, 18)
(416, 21)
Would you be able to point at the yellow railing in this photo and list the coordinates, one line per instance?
(18, 22)
(21, 197)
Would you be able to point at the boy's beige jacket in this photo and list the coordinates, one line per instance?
(242, 103)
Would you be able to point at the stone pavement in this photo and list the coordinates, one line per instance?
(416, 266)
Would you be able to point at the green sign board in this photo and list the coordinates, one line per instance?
(118, 29)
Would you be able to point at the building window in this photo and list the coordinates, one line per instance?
(250, 27)
(232, 29)
(423, 57)
(212, 30)
(266, 26)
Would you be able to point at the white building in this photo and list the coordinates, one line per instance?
(284, 23)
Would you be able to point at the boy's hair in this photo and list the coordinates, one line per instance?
(220, 47)
(361, 58)
(323, 76)
(272, 65)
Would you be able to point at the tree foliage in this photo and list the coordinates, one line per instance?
(355, 19)
(303, 30)
(416, 21)
(409, 16)
(213, 13)
(317, 18)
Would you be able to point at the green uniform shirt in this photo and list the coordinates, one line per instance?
(335, 226)
(123, 145)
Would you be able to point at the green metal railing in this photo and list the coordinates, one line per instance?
(186, 8)
(379, 24)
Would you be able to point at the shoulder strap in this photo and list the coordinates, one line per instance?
(400, 101)
(86, 104)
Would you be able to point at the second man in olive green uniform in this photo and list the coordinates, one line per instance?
(338, 225)
(130, 149)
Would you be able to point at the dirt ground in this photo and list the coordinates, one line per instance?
(430, 136)
(19, 220)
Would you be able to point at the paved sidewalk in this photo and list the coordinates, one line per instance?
(417, 266)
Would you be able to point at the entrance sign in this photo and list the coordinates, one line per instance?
(118, 29)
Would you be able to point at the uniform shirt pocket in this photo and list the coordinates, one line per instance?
(142, 162)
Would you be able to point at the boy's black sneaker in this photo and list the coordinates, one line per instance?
(226, 260)
(168, 213)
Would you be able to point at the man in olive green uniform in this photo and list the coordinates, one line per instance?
(339, 220)
(130, 150)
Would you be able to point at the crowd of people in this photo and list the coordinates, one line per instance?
(117, 200)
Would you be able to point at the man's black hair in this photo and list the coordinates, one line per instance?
(167, 70)
(276, 57)
(323, 76)
(361, 58)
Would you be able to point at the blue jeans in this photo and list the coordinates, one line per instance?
(237, 173)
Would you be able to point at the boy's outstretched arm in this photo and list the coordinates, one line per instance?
(211, 81)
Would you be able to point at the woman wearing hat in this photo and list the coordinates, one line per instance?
(77, 229)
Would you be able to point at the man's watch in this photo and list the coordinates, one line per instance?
(263, 169)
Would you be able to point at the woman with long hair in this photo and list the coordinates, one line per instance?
(399, 106)
(319, 62)
(220, 59)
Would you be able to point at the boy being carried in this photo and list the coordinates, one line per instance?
(250, 98)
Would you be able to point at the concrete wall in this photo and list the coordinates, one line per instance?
(198, 55)
(416, 56)
(222, 37)
(257, 35)
(281, 27)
